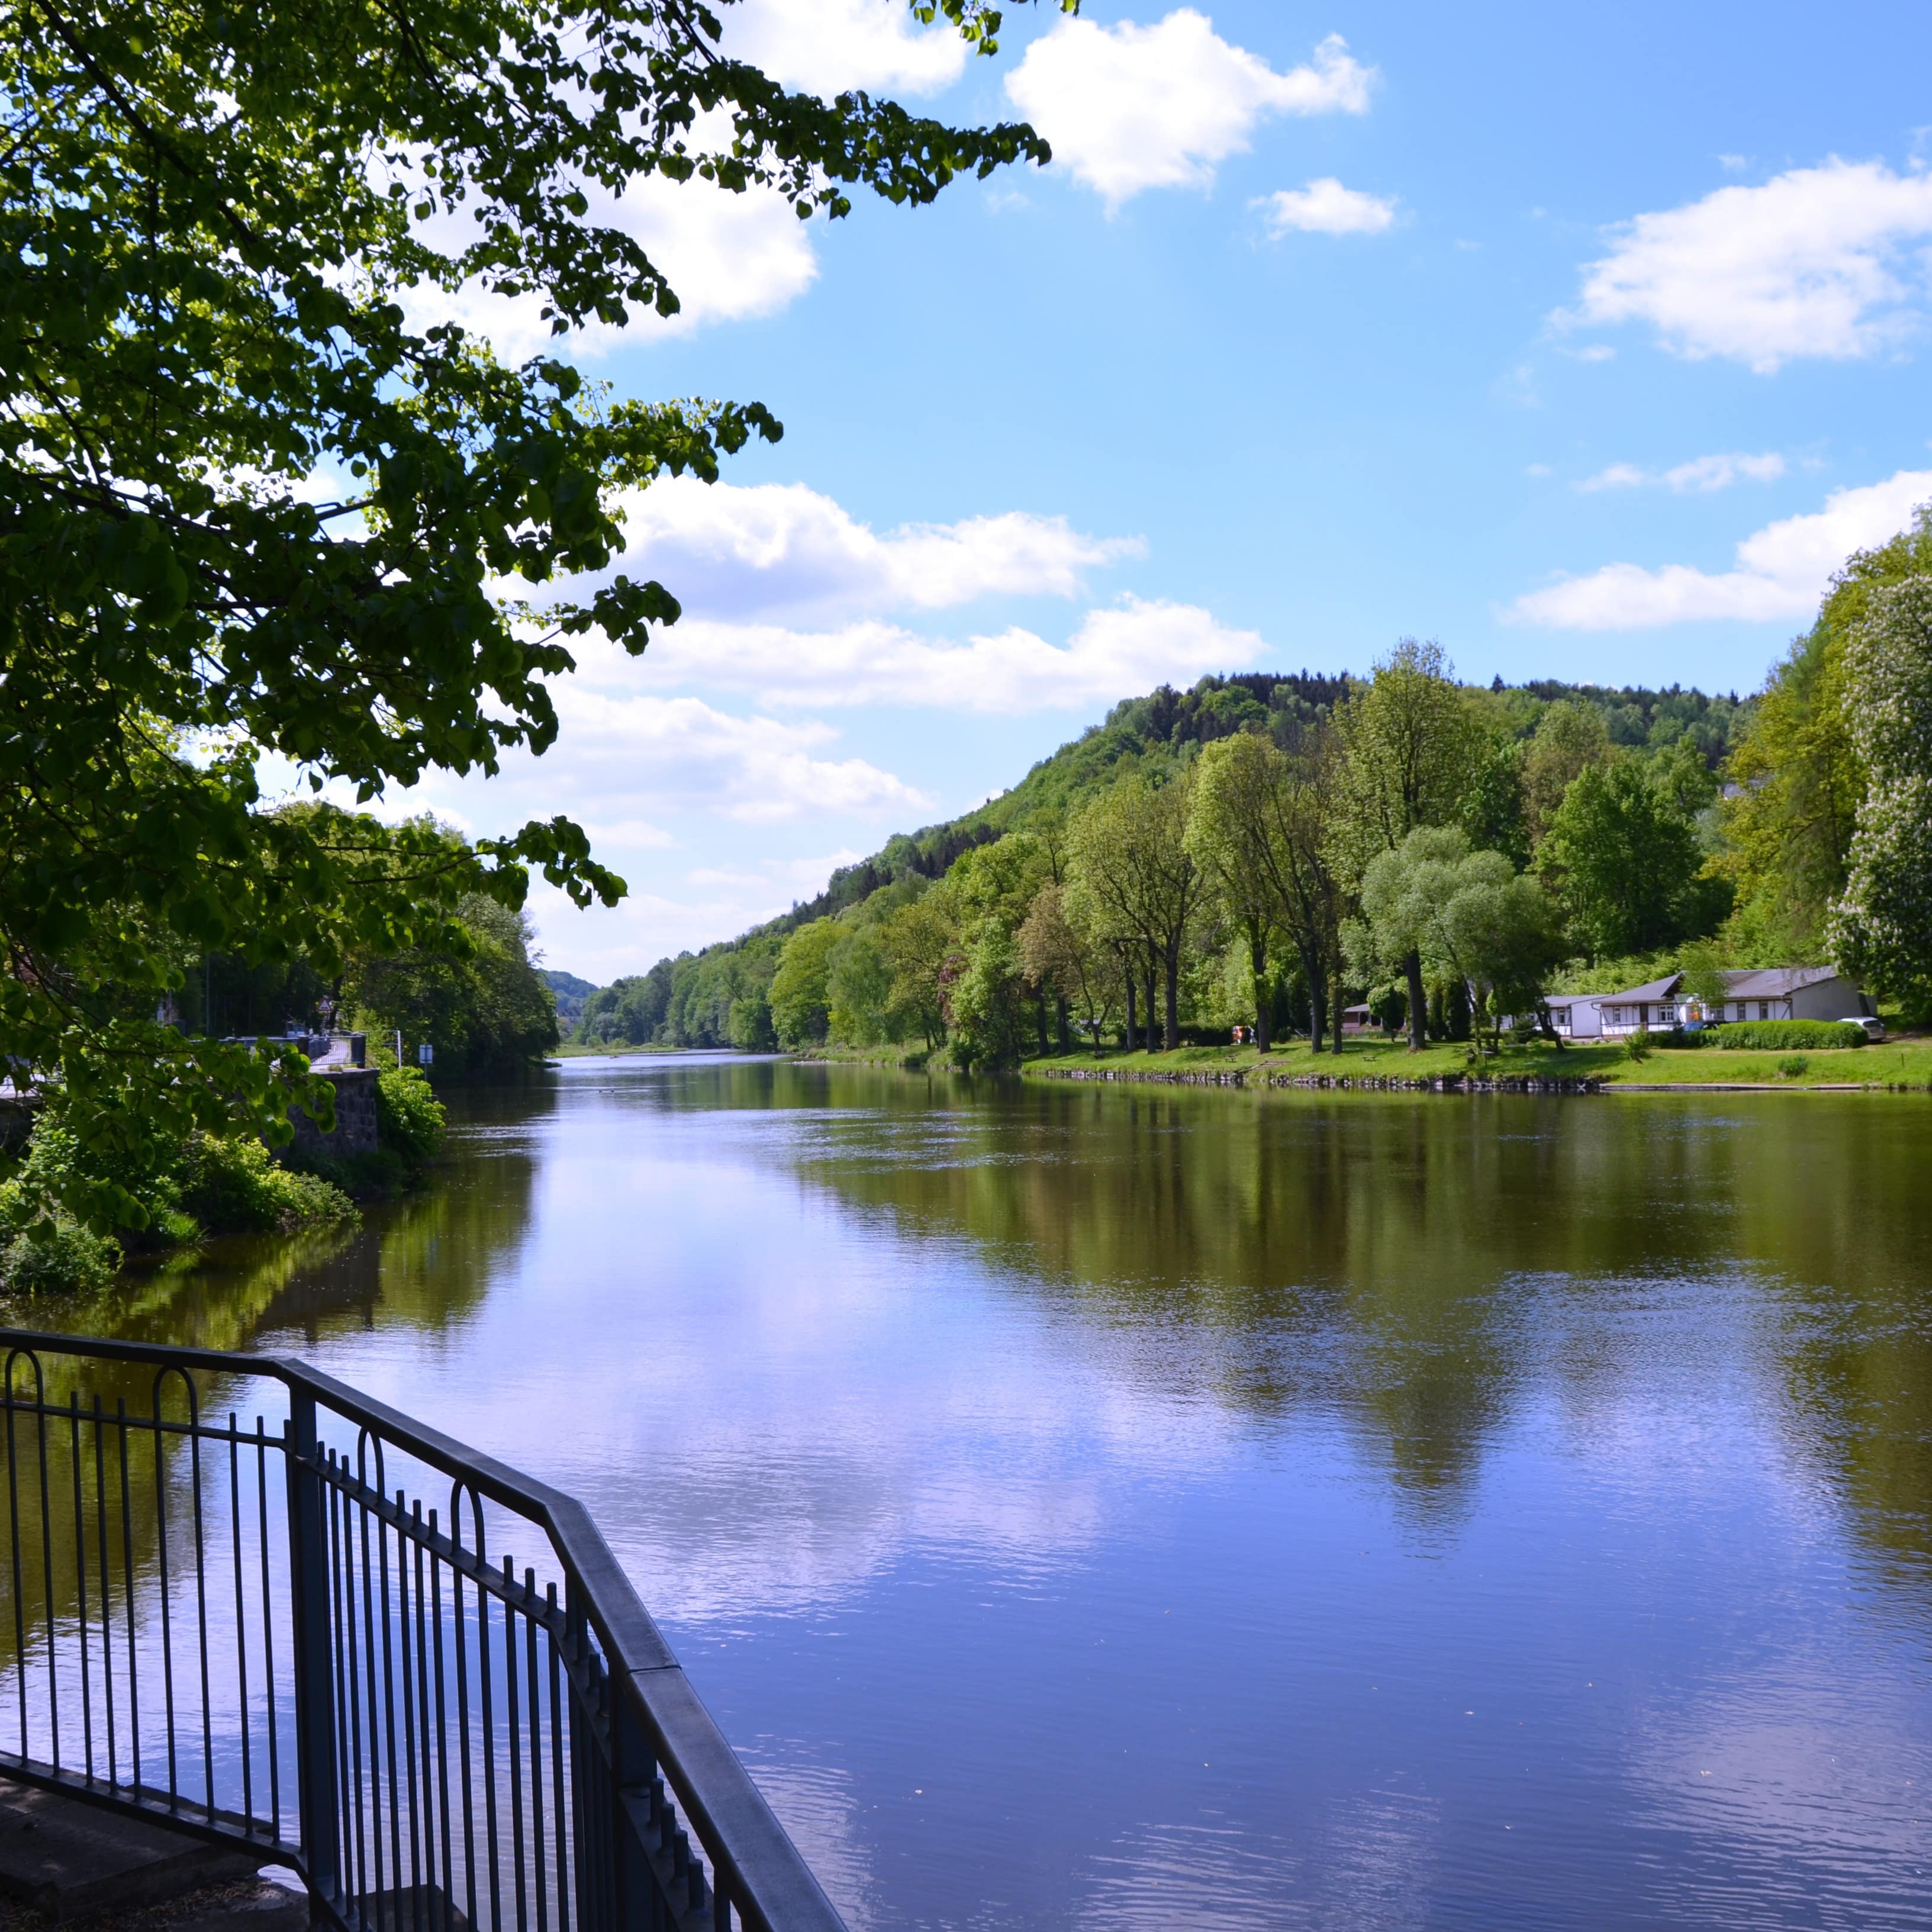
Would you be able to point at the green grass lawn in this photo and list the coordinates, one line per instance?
(1906, 1061)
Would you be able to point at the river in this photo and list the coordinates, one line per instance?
(1116, 1508)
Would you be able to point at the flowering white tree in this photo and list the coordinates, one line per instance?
(1881, 925)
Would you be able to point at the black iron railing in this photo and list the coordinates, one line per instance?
(264, 1635)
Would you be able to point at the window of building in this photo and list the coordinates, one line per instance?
(1764, 1009)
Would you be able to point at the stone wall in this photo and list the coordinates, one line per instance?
(355, 1116)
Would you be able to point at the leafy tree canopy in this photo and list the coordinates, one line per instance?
(248, 511)
(1881, 927)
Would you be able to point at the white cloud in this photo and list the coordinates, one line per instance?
(1705, 473)
(679, 752)
(1782, 570)
(1126, 648)
(728, 257)
(1827, 261)
(828, 47)
(1128, 108)
(777, 550)
(804, 878)
(1325, 207)
(1701, 475)
(1617, 476)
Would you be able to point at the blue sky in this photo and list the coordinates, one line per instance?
(1586, 342)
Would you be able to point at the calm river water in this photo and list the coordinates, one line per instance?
(1127, 1508)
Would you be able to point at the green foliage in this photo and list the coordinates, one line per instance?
(209, 1185)
(1881, 925)
(801, 994)
(1494, 813)
(1793, 1066)
(987, 1022)
(233, 1187)
(478, 1001)
(1703, 963)
(1798, 773)
(410, 1120)
(859, 986)
(1636, 1045)
(1571, 738)
(1133, 882)
(1822, 1036)
(629, 1011)
(60, 1258)
(218, 220)
(1467, 918)
(1413, 746)
(1628, 862)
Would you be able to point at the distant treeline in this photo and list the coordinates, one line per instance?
(723, 995)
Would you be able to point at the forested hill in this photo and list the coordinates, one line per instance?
(718, 997)
(1165, 721)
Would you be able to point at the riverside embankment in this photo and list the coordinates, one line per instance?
(1379, 1065)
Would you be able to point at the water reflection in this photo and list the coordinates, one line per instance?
(1124, 1508)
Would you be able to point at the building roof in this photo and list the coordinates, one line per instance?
(1776, 983)
(1757, 982)
(1648, 994)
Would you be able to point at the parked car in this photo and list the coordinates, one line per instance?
(1873, 1029)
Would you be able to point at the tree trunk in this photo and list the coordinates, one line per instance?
(1133, 1024)
(1338, 995)
(1257, 962)
(1317, 997)
(1418, 1004)
(1173, 996)
(1152, 1019)
(1546, 1026)
(1039, 1019)
(1060, 1018)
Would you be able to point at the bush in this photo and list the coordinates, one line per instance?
(1792, 1065)
(233, 1187)
(409, 1119)
(1636, 1045)
(59, 1257)
(1770, 1035)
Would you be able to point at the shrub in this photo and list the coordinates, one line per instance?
(59, 1257)
(1636, 1045)
(233, 1187)
(1792, 1065)
(409, 1119)
(1770, 1035)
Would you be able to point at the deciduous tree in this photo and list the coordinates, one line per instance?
(1412, 744)
(1628, 862)
(1129, 862)
(250, 509)
(1881, 925)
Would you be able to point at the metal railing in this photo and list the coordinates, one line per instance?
(263, 1635)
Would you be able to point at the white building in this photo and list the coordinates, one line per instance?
(1766, 993)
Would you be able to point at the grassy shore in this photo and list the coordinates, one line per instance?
(1904, 1062)
(571, 1050)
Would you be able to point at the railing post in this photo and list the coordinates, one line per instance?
(315, 1687)
(633, 1771)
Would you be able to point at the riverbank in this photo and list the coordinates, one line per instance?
(1378, 1064)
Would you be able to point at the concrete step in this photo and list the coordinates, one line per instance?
(71, 1860)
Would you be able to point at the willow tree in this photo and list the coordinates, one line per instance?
(249, 512)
